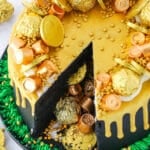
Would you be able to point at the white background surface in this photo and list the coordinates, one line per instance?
(5, 30)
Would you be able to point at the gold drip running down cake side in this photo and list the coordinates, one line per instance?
(102, 88)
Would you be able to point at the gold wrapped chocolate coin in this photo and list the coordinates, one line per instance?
(125, 81)
(6, 10)
(52, 31)
(78, 76)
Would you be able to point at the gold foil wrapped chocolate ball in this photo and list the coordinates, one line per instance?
(29, 26)
(82, 5)
(67, 110)
(6, 10)
(125, 81)
(76, 140)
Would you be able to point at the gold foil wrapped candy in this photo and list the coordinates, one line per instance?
(145, 15)
(29, 25)
(82, 5)
(76, 140)
(125, 81)
(78, 76)
(67, 110)
(63, 4)
(6, 10)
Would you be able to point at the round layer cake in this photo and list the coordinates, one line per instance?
(81, 70)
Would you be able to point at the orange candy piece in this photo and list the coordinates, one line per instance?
(31, 84)
(138, 38)
(148, 66)
(41, 3)
(135, 52)
(56, 10)
(17, 42)
(103, 79)
(121, 5)
(40, 48)
(146, 49)
(24, 55)
(47, 67)
(111, 102)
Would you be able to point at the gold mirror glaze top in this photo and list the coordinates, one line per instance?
(49, 35)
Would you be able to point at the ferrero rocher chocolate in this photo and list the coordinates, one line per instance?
(67, 110)
(82, 5)
(6, 10)
(29, 26)
(76, 140)
(125, 81)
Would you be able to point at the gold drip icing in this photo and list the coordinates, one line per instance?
(132, 122)
(131, 108)
(108, 132)
(18, 102)
(119, 130)
(145, 119)
(16, 78)
(23, 104)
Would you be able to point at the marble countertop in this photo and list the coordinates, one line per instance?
(5, 30)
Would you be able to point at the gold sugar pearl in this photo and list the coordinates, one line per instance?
(73, 38)
(112, 25)
(99, 38)
(112, 39)
(107, 36)
(105, 30)
(102, 49)
(78, 25)
(91, 34)
(118, 30)
(75, 20)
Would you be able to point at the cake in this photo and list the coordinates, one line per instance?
(80, 72)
